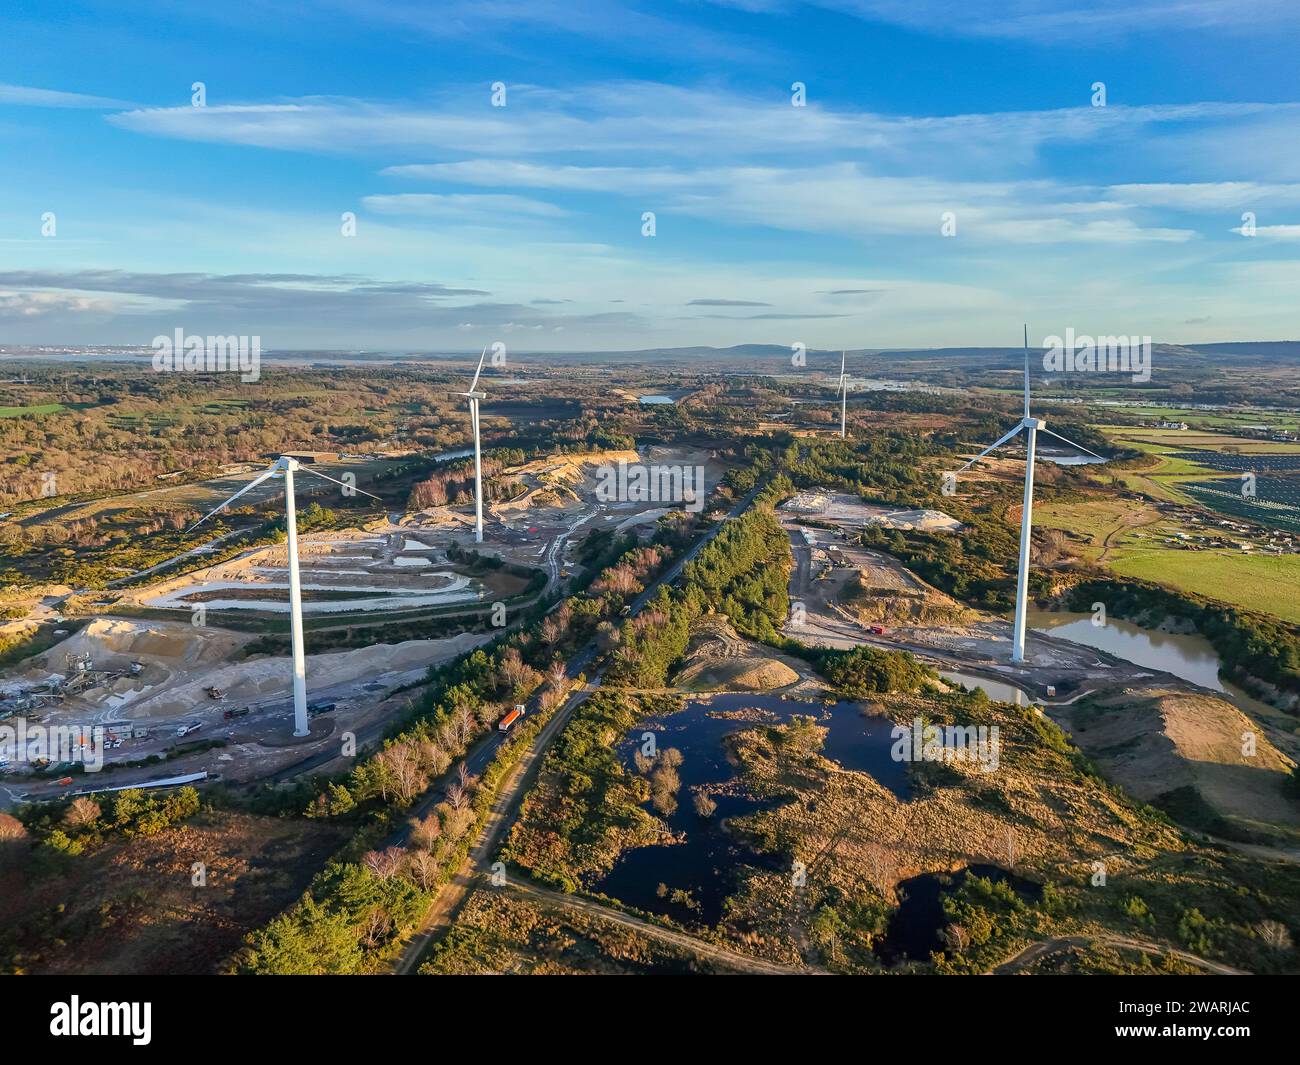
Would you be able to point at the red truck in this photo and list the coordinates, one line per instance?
(876, 630)
(507, 722)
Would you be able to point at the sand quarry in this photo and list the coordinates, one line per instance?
(341, 572)
(840, 508)
(397, 565)
(181, 661)
(402, 564)
(555, 501)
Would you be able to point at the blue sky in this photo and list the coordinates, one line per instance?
(819, 224)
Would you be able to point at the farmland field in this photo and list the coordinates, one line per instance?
(1105, 524)
(1130, 539)
(1276, 502)
(1224, 419)
(41, 408)
(1263, 583)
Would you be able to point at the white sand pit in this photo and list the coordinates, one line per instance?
(844, 509)
(270, 678)
(165, 643)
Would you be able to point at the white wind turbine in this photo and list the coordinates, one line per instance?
(1031, 427)
(844, 394)
(474, 396)
(288, 467)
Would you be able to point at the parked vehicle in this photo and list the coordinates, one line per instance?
(876, 630)
(188, 727)
(320, 708)
(236, 711)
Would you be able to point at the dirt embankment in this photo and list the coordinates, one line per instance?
(1193, 754)
(720, 660)
(874, 596)
(559, 480)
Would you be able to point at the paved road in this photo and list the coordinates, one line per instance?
(512, 791)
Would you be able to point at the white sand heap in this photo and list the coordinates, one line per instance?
(921, 520)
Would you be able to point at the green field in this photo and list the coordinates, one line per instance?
(1162, 480)
(1266, 583)
(1106, 524)
(43, 408)
(1127, 537)
(1223, 419)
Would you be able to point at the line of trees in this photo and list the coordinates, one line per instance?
(1253, 647)
(352, 917)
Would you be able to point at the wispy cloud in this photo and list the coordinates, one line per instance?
(280, 307)
(647, 120)
(1054, 20)
(464, 208)
(27, 96)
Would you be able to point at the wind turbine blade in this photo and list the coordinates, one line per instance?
(479, 370)
(992, 447)
(1026, 369)
(843, 356)
(265, 475)
(353, 488)
(1071, 443)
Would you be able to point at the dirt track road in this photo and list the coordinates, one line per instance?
(731, 959)
(1047, 947)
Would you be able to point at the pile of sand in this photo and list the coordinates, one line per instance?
(114, 642)
(918, 520)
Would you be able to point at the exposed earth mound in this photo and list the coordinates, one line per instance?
(888, 594)
(720, 660)
(1186, 752)
(558, 480)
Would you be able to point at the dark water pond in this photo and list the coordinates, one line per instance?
(709, 860)
(915, 927)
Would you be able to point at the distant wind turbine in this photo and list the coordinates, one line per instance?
(474, 396)
(844, 394)
(288, 467)
(1031, 427)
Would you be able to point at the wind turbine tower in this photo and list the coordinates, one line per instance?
(288, 467)
(473, 395)
(1031, 427)
(844, 394)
